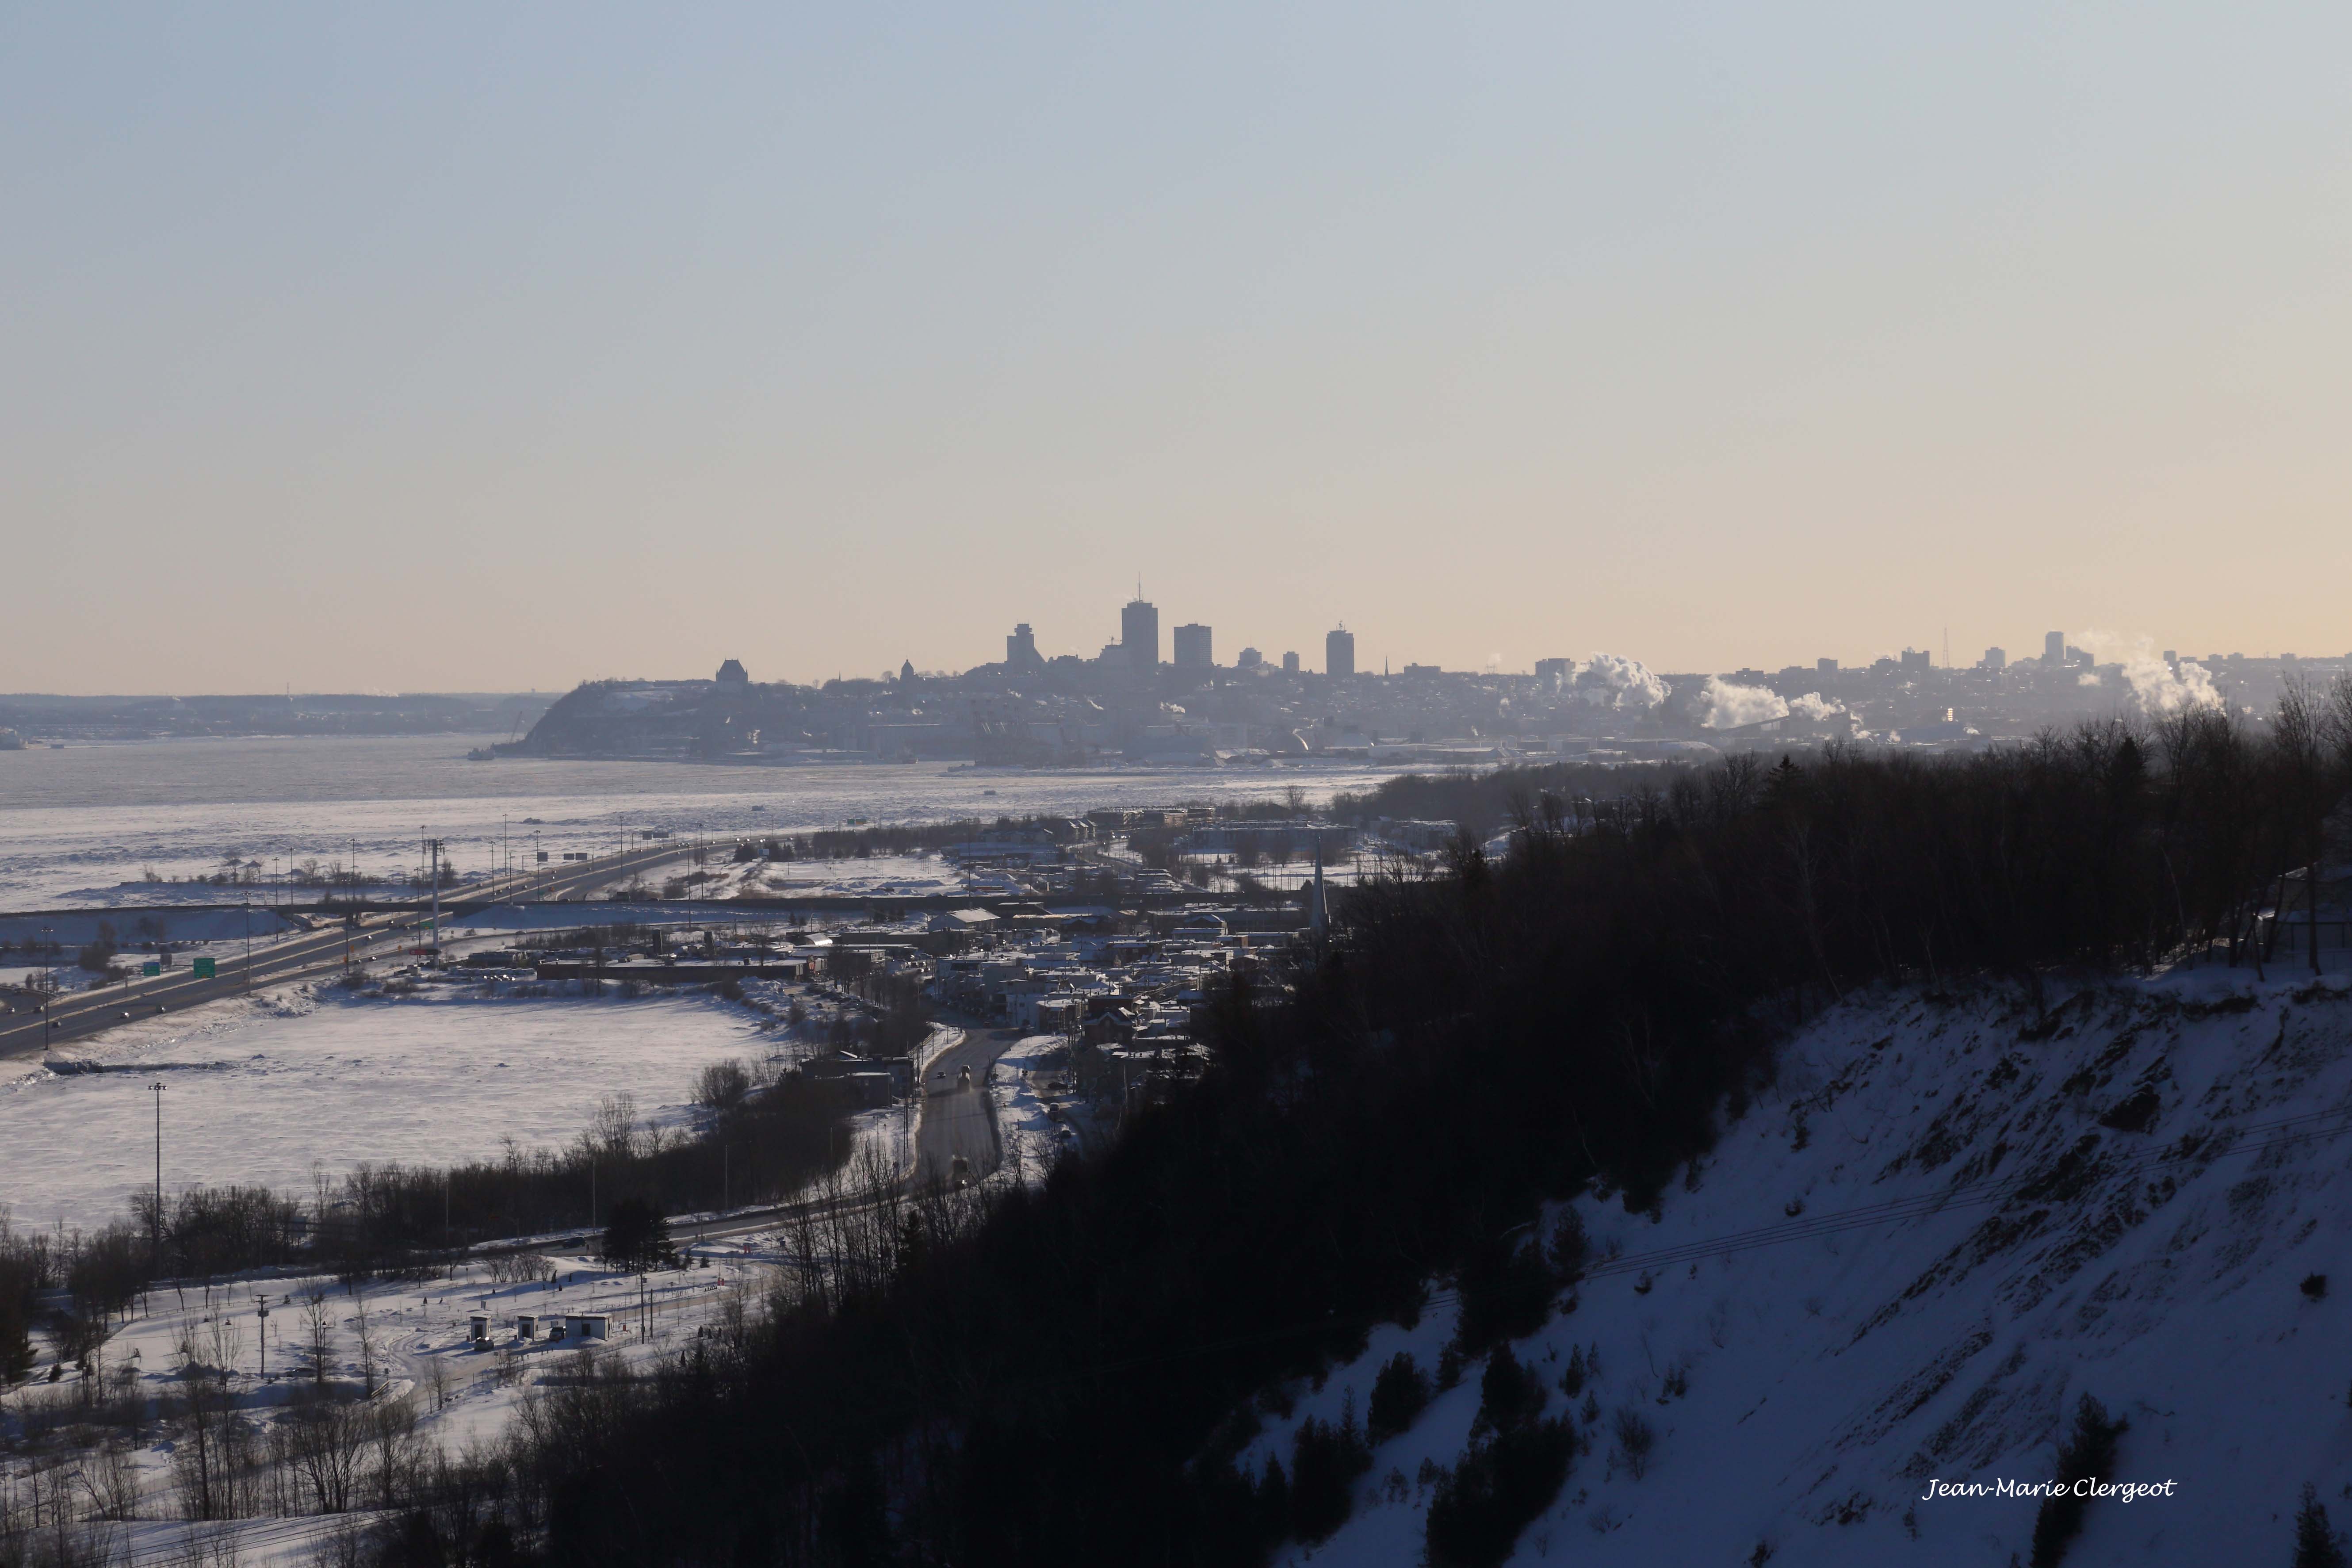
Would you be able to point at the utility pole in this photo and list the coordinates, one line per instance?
(433, 939)
(156, 1089)
(248, 942)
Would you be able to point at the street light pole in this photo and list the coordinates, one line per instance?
(156, 1089)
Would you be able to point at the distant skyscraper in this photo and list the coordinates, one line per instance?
(1995, 658)
(1020, 648)
(1824, 666)
(1555, 668)
(1192, 647)
(1249, 659)
(2053, 648)
(1339, 652)
(1138, 633)
(1290, 664)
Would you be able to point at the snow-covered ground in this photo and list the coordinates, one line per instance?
(397, 1344)
(917, 874)
(257, 1089)
(1032, 1139)
(2157, 1260)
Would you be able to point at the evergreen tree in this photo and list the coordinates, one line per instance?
(2315, 1545)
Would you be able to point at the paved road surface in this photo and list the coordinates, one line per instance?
(77, 1014)
(957, 1118)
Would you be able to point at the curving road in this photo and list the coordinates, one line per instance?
(958, 1119)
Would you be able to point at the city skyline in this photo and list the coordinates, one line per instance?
(1312, 654)
(424, 350)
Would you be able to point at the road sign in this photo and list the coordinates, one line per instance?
(151, 967)
(202, 968)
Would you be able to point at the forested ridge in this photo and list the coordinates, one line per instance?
(1064, 1374)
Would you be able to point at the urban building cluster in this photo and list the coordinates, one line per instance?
(1128, 703)
(1108, 932)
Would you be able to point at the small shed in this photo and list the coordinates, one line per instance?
(478, 1328)
(586, 1325)
(525, 1326)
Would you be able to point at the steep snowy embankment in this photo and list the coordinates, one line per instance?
(2124, 1198)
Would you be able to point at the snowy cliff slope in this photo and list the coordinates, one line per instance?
(2124, 1197)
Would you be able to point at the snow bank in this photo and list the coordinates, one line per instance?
(1032, 1139)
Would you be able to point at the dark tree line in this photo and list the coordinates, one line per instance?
(760, 1143)
(1068, 1375)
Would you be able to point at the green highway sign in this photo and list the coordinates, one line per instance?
(151, 967)
(202, 968)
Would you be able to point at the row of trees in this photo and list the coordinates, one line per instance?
(1065, 1374)
(765, 1137)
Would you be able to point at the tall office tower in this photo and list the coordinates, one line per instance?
(1824, 666)
(1555, 668)
(1339, 652)
(1996, 659)
(2053, 648)
(1249, 659)
(1138, 633)
(1020, 648)
(1192, 647)
(1290, 664)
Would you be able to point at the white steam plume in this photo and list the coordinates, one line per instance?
(1611, 680)
(2157, 688)
(1814, 706)
(1729, 706)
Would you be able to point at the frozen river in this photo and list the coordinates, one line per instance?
(76, 825)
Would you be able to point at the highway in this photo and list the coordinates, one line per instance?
(75, 1014)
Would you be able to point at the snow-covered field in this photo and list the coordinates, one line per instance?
(1834, 1372)
(916, 874)
(258, 1090)
(77, 824)
(402, 1346)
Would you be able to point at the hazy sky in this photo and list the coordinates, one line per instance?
(488, 347)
